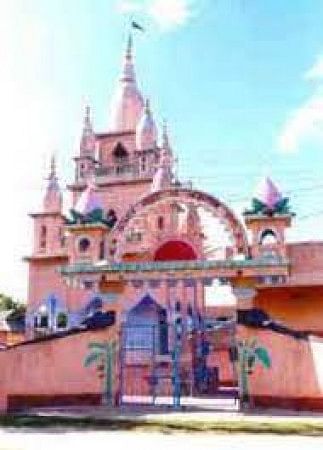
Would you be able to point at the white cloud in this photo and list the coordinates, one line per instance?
(305, 126)
(170, 14)
(166, 14)
(129, 6)
(316, 71)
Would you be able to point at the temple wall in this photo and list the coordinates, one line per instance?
(51, 372)
(44, 279)
(299, 308)
(295, 379)
(306, 262)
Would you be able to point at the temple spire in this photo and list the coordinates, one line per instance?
(53, 195)
(127, 102)
(87, 124)
(129, 47)
(165, 137)
(87, 144)
(52, 173)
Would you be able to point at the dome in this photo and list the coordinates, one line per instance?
(89, 201)
(267, 193)
(127, 103)
(146, 131)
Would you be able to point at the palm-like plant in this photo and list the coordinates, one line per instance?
(103, 355)
(250, 354)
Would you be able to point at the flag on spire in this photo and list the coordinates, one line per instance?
(137, 26)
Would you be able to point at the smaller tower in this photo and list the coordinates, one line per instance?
(164, 175)
(88, 228)
(146, 131)
(49, 223)
(267, 220)
(53, 197)
(85, 162)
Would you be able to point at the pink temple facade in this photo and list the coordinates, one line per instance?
(142, 242)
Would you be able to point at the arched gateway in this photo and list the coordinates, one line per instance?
(186, 197)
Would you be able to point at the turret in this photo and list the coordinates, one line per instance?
(146, 131)
(85, 162)
(88, 227)
(267, 220)
(87, 144)
(53, 197)
(163, 176)
(49, 237)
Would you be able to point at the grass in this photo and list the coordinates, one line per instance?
(162, 426)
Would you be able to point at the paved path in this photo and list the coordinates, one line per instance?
(225, 411)
(99, 440)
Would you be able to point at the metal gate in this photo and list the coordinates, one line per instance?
(163, 364)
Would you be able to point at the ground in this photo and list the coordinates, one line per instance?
(62, 439)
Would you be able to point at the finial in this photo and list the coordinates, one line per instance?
(165, 139)
(129, 47)
(52, 174)
(87, 124)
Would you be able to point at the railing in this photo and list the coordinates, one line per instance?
(129, 171)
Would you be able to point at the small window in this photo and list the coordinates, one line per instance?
(111, 217)
(120, 153)
(43, 321)
(88, 284)
(84, 245)
(160, 223)
(61, 320)
(43, 236)
(268, 237)
(102, 250)
(61, 237)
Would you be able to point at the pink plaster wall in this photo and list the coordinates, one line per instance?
(296, 372)
(306, 262)
(53, 367)
(44, 279)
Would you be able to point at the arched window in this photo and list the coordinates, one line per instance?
(160, 223)
(43, 236)
(84, 245)
(120, 153)
(268, 237)
(102, 250)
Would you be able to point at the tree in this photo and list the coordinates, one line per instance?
(103, 355)
(250, 354)
(8, 303)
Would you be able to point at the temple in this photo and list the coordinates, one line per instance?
(177, 275)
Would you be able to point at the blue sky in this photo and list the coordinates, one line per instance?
(240, 82)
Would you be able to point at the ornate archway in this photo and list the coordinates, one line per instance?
(212, 205)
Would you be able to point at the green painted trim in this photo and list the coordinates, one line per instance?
(170, 265)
